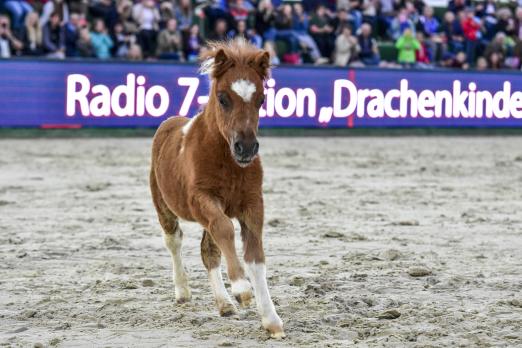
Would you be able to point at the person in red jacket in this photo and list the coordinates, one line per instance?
(471, 28)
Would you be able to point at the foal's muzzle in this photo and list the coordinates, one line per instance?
(244, 150)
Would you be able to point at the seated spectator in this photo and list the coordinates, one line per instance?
(346, 47)
(31, 35)
(18, 10)
(495, 61)
(452, 32)
(193, 44)
(400, 23)
(220, 31)
(124, 8)
(170, 43)
(105, 10)
(249, 35)
(429, 24)
(54, 38)
(184, 15)
(265, 20)
(135, 53)
(147, 16)
(471, 29)
(269, 47)
(72, 33)
(55, 6)
(322, 32)
(423, 54)
(368, 49)
(121, 40)
(9, 44)
(238, 10)
(406, 46)
(482, 64)
(101, 41)
(84, 44)
(300, 26)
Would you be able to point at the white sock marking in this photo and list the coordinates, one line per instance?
(257, 275)
(218, 287)
(244, 88)
(240, 286)
(173, 243)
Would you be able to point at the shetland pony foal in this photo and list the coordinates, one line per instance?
(206, 169)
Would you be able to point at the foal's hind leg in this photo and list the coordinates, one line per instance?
(211, 256)
(173, 237)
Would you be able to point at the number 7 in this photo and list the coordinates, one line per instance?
(192, 83)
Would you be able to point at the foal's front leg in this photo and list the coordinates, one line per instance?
(251, 233)
(221, 235)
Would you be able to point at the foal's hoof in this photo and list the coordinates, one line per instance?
(183, 294)
(244, 299)
(274, 326)
(226, 309)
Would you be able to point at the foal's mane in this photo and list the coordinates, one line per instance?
(224, 55)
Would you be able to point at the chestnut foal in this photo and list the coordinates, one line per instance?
(207, 170)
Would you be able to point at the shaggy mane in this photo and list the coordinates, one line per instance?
(239, 52)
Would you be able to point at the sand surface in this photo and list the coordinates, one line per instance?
(396, 242)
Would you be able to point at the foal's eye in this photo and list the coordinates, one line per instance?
(223, 100)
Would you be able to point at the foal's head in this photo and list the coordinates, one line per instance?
(237, 70)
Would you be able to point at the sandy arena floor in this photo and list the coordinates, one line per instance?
(377, 241)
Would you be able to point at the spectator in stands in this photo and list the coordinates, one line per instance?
(106, 10)
(238, 10)
(265, 19)
(31, 35)
(482, 63)
(368, 49)
(428, 22)
(170, 42)
(130, 27)
(471, 30)
(135, 53)
(121, 40)
(17, 9)
(452, 33)
(72, 34)
(84, 44)
(346, 47)
(423, 54)
(274, 59)
(220, 30)
(55, 6)
(322, 31)
(101, 41)
(147, 16)
(9, 44)
(54, 37)
(284, 31)
(250, 35)
(400, 23)
(183, 13)
(300, 28)
(193, 44)
(406, 46)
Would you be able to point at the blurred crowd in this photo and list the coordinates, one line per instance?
(481, 35)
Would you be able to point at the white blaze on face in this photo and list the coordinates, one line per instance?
(244, 88)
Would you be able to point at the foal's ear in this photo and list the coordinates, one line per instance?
(261, 64)
(221, 63)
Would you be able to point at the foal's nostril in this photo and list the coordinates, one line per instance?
(255, 149)
(238, 148)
